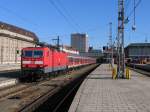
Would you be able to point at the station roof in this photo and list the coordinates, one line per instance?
(138, 45)
(69, 47)
(18, 30)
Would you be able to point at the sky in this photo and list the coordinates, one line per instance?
(50, 18)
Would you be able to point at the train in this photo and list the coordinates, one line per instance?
(38, 62)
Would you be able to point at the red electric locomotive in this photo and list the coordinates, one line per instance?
(45, 60)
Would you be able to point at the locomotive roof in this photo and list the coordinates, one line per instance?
(50, 47)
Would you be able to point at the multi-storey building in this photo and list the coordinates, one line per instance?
(79, 42)
(12, 40)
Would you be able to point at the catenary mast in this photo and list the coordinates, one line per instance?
(120, 41)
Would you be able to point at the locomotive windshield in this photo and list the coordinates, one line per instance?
(33, 53)
(38, 53)
(28, 53)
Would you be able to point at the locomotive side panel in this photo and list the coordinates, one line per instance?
(64, 60)
(39, 60)
(59, 60)
(54, 60)
(47, 60)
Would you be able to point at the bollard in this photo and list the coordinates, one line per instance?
(128, 75)
(114, 73)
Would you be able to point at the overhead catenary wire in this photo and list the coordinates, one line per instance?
(62, 14)
(71, 18)
(132, 11)
(68, 34)
(68, 17)
(127, 4)
(20, 17)
(68, 14)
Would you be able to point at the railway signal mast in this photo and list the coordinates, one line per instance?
(58, 41)
(120, 41)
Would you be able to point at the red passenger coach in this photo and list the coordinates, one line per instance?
(41, 61)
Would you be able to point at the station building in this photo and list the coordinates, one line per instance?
(138, 51)
(94, 53)
(12, 40)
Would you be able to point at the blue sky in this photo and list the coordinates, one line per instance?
(90, 16)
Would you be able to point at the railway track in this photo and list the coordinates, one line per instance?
(140, 69)
(27, 97)
(61, 101)
(10, 71)
(12, 89)
(19, 88)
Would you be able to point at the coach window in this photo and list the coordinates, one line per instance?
(76, 60)
(70, 59)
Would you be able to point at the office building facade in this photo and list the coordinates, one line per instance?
(79, 42)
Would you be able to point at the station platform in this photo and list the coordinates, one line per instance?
(9, 74)
(9, 67)
(100, 93)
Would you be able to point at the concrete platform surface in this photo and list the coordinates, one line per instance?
(8, 76)
(5, 67)
(99, 93)
(8, 82)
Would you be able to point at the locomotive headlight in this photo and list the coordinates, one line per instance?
(39, 66)
(23, 66)
(26, 62)
(38, 62)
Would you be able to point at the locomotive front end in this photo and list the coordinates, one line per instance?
(32, 61)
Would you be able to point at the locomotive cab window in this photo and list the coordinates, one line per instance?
(27, 54)
(38, 53)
